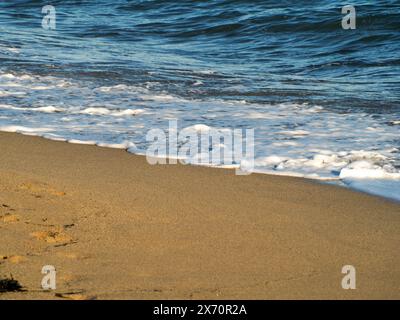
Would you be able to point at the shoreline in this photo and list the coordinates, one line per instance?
(116, 227)
(325, 181)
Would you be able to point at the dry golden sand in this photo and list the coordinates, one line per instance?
(118, 228)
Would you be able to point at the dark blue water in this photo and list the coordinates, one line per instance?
(274, 51)
(324, 102)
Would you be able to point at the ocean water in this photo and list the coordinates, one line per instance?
(324, 102)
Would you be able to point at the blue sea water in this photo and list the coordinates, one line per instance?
(324, 102)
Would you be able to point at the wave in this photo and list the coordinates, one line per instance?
(112, 70)
(260, 46)
(290, 139)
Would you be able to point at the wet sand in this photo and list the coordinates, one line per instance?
(117, 228)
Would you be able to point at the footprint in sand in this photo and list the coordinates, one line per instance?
(17, 259)
(13, 259)
(75, 296)
(39, 188)
(52, 236)
(72, 255)
(6, 207)
(10, 218)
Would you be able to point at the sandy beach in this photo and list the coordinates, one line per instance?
(117, 228)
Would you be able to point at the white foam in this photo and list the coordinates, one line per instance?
(104, 111)
(270, 161)
(207, 72)
(366, 170)
(54, 137)
(96, 111)
(123, 145)
(119, 87)
(161, 98)
(285, 144)
(295, 133)
(9, 49)
(128, 112)
(7, 76)
(77, 141)
(199, 128)
(48, 109)
(25, 130)
(290, 139)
